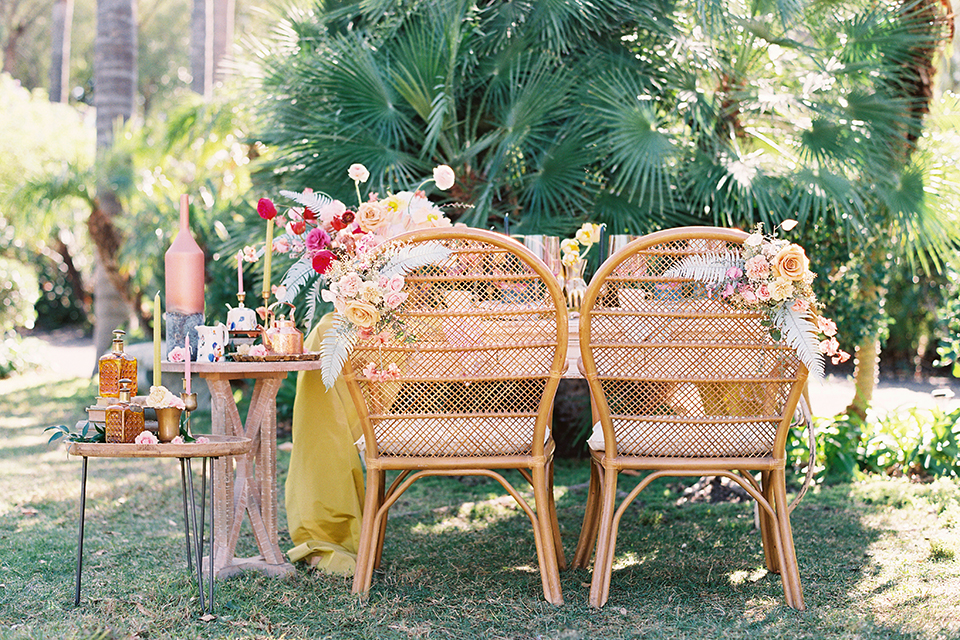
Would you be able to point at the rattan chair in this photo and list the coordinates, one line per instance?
(473, 387)
(683, 384)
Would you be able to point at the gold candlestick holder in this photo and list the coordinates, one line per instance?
(189, 405)
(240, 298)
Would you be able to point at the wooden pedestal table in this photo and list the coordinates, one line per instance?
(249, 490)
(218, 448)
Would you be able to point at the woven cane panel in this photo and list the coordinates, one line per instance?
(481, 341)
(682, 371)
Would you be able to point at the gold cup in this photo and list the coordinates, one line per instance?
(168, 423)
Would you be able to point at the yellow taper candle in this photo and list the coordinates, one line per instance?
(267, 257)
(156, 340)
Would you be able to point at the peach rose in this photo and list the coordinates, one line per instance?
(358, 173)
(790, 262)
(371, 216)
(444, 177)
(363, 314)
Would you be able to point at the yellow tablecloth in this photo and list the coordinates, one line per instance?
(324, 490)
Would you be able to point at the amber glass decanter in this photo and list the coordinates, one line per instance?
(115, 366)
(124, 420)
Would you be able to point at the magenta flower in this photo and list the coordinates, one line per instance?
(266, 209)
(317, 239)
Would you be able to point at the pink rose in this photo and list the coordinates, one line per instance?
(258, 351)
(763, 292)
(317, 239)
(349, 285)
(146, 437)
(177, 440)
(202, 440)
(800, 306)
(177, 355)
(748, 295)
(394, 299)
(395, 284)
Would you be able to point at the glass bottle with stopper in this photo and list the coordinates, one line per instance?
(124, 420)
(115, 366)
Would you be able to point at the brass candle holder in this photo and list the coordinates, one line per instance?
(189, 405)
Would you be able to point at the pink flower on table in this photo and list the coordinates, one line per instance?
(202, 440)
(146, 437)
(177, 355)
(177, 440)
(258, 350)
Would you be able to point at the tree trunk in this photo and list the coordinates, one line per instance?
(115, 78)
(223, 18)
(865, 376)
(201, 47)
(60, 25)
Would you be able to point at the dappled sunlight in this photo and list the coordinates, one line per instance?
(472, 516)
(743, 577)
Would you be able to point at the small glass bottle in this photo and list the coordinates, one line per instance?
(115, 366)
(124, 421)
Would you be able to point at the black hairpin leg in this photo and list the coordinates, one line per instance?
(196, 537)
(83, 506)
(210, 567)
(186, 518)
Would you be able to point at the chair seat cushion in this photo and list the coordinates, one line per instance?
(667, 440)
(446, 436)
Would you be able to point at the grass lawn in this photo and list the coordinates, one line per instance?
(878, 559)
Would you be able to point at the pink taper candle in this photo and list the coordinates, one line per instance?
(239, 271)
(186, 365)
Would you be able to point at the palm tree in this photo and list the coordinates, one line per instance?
(639, 115)
(115, 75)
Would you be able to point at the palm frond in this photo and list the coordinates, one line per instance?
(801, 334)
(313, 201)
(337, 345)
(706, 267)
(414, 257)
(298, 275)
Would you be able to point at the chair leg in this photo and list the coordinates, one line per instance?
(383, 526)
(368, 531)
(768, 527)
(790, 571)
(546, 549)
(591, 520)
(606, 540)
(554, 523)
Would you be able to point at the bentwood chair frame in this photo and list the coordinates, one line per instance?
(473, 392)
(683, 384)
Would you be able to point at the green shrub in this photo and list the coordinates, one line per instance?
(19, 293)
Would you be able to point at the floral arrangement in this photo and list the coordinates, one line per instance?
(773, 275)
(586, 236)
(162, 398)
(335, 253)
